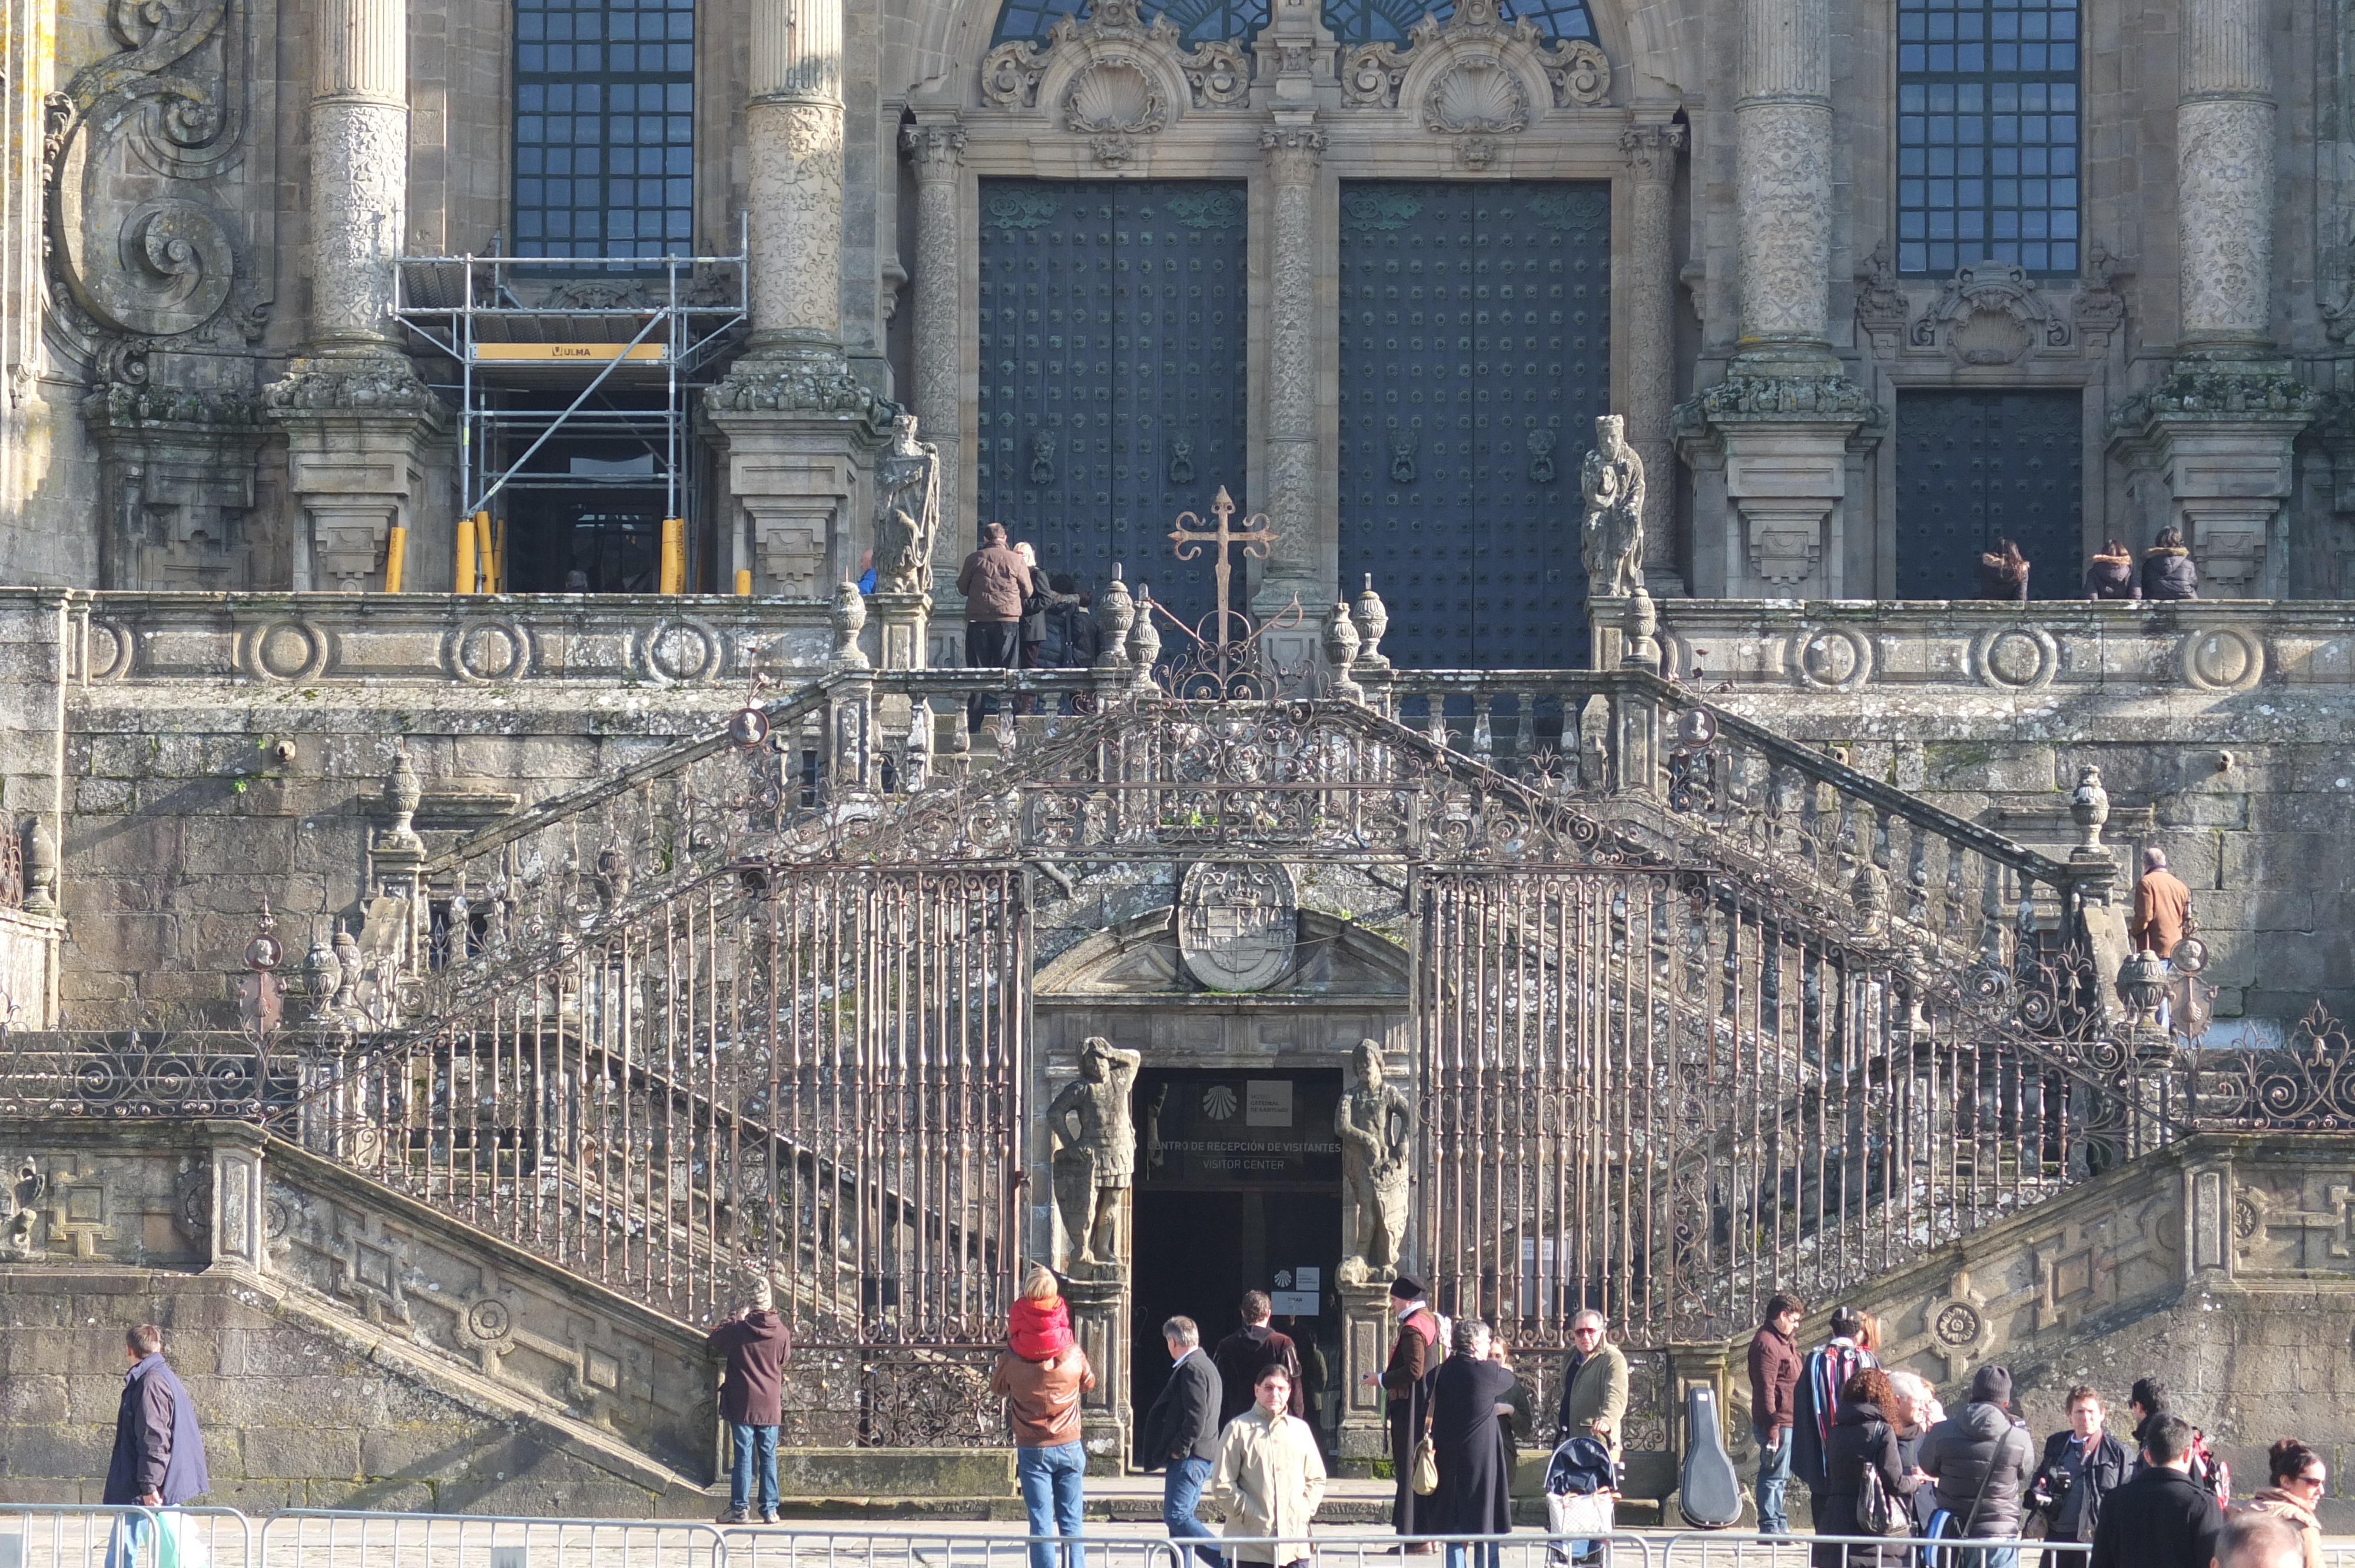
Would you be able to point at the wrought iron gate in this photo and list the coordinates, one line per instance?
(1476, 353)
(1971, 465)
(1112, 353)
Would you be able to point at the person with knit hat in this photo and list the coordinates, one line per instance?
(751, 1397)
(1413, 1365)
(1981, 1460)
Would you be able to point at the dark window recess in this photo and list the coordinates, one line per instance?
(1476, 353)
(1352, 21)
(1987, 135)
(1973, 465)
(604, 127)
(1113, 348)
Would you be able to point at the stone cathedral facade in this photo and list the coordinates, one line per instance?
(1869, 285)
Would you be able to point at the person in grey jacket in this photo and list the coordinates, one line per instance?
(1981, 1460)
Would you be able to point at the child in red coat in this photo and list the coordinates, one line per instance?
(1038, 1328)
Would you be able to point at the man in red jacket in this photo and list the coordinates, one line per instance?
(751, 1399)
(1774, 1379)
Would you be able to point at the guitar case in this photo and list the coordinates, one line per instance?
(1709, 1492)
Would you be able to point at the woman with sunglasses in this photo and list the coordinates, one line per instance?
(2299, 1478)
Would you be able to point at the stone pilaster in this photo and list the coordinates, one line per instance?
(2210, 446)
(801, 428)
(1770, 444)
(937, 152)
(354, 410)
(1302, 563)
(1100, 1315)
(1365, 1327)
(1646, 296)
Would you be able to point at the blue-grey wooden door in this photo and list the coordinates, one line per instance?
(1476, 353)
(1113, 357)
(1974, 465)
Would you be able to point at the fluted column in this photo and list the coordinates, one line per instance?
(2225, 172)
(1783, 137)
(793, 134)
(937, 152)
(360, 171)
(1646, 305)
(1294, 461)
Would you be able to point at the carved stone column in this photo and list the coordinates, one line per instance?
(1773, 438)
(937, 152)
(1646, 295)
(1302, 562)
(1366, 1328)
(2212, 444)
(800, 427)
(1100, 1322)
(352, 407)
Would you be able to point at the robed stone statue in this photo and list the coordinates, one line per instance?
(1095, 1152)
(1376, 1125)
(1613, 534)
(906, 511)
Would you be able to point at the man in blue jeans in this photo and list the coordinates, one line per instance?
(1043, 1398)
(1182, 1432)
(752, 1400)
(1774, 1386)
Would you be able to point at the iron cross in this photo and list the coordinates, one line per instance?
(1257, 538)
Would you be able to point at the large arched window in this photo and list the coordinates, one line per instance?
(604, 127)
(1352, 21)
(1987, 135)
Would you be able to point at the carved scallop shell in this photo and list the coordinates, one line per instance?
(1113, 95)
(1478, 97)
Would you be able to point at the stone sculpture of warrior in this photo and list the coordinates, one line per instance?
(1614, 534)
(1096, 1152)
(906, 511)
(1376, 1126)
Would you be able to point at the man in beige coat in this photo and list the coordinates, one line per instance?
(1270, 1478)
(1593, 1385)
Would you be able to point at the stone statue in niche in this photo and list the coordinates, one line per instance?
(1095, 1154)
(906, 511)
(1376, 1126)
(1614, 533)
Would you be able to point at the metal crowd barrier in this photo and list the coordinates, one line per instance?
(76, 1535)
(1730, 1549)
(325, 1538)
(800, 1545)
(1369, 1548)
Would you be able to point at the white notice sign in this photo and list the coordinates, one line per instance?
(1292, 1303)
(1267, 1102)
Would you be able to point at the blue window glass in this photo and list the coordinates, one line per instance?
(2006, 106)
(596, 109)
(1352, 21)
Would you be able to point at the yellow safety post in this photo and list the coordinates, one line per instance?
(673, 554)
(486, 557)
(462, 580)
(396, 554)
(743, 582)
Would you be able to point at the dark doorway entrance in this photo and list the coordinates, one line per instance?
(1238, 1188)
(1971, 465)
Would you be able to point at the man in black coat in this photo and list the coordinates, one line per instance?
(1181, 1431)
(1980, 1460)
(2161, 1519)
(1251, 1350)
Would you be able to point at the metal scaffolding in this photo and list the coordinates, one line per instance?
(609, 347)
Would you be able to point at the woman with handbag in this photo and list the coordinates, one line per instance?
(1868, 1485)
(1270, 1478)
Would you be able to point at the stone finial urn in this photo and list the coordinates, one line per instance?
(1341, 652)
(1373, 619)
(1115, 613)
(2089, 806)
(849, 618)
(2142, 986)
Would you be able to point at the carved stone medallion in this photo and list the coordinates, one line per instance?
(1235, 924)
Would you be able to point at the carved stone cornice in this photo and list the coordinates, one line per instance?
(816, 381)
(1759, 396)
(382, 385)
(1293, 150)
(936, 151)
(1652, 151)
(121, 407)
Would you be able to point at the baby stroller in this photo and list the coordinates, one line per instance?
(1581, 1491)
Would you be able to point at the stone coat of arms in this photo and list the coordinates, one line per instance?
(1236, 925)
